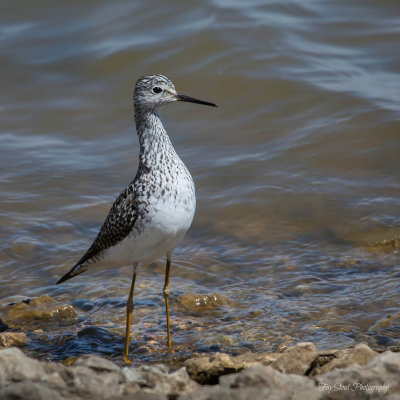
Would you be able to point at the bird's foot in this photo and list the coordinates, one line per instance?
(125, 359)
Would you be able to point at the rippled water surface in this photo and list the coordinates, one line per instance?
(297, 172)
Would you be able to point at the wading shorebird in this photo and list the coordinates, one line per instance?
(152, 214)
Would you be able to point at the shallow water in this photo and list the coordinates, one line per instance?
(297, 172)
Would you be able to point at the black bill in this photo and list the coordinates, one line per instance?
(182, 97)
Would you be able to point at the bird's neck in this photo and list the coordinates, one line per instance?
(153, 138)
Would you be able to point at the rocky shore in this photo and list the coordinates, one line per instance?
(299, 372)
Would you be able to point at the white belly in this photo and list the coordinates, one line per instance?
(165, 226)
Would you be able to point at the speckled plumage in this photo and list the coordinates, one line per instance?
(152, 214)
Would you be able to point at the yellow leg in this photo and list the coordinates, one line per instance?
(129, 309)
(166, 295)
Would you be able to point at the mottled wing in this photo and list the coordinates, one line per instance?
(119, 223)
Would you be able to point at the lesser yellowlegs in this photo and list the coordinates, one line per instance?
(153, 213)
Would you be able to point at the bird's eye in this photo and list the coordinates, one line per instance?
(157, 89)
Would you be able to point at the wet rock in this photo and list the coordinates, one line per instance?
(8, 339)
(296, 359)
(221, 343)
(42, 308)
(193, 302)
(360, 354)
(389, 244)
(227, 340)
(386, 321)
(376, 240)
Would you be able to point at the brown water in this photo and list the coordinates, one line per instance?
(297, 172)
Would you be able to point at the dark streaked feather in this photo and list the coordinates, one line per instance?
(118, 225)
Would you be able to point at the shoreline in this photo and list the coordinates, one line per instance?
(300, 371)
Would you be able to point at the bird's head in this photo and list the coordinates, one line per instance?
(153, 91)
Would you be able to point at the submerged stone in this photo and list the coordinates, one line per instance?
(43, 308)
(389, 244)
(202, 302)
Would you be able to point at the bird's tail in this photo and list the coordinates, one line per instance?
(76, 270)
